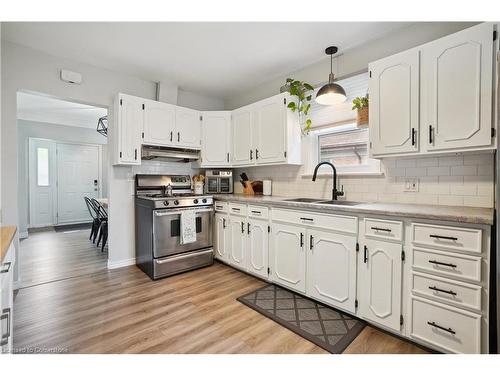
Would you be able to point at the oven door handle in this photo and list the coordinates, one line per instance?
(167, 212)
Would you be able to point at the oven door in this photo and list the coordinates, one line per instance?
(212, 185)
(166, 231)
(226, 185)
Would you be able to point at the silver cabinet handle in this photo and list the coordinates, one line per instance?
(168, 212)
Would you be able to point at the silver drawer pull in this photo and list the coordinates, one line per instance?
(438, 237)
(435, 325)
(443, 264)
(5, 336)
(6, 267)
(435, 288)
(381, 229)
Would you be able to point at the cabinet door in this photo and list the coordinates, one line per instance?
(243, 153)
(394, 104)
(331, 268)
(238, 241)
(457, 76)
(187, 128)
(288, 257)
(258, 245)
(130, 126)
(215, 139)
(381, 275)
(269, 130)
(221, 237)
(159, 123)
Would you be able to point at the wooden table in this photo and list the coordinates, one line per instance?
(103, 201)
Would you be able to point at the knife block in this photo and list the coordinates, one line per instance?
(248, 189)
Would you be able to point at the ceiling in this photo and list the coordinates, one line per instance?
(39, 108)
(218, 59)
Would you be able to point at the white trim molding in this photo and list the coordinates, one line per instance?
(120, 263)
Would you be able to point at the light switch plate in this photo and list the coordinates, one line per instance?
(411, 185)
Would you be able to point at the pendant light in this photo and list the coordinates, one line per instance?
(331, 93)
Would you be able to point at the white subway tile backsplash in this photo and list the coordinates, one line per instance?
(458, 180)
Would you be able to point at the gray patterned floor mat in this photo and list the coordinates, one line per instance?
(326, 327)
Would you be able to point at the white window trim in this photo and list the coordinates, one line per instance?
(310, 150)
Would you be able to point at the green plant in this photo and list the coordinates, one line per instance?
(302, 91)
(360, 102)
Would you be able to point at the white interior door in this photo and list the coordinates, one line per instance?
(42, 178)
(78, 177)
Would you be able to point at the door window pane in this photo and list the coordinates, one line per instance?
(42, 166)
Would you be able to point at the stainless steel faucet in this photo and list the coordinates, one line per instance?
(335, 192)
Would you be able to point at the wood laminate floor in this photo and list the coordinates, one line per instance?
(123, 311)
(48, 255)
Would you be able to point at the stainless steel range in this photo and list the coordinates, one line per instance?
(159, 202)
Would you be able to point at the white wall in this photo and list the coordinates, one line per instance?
(57, 132)
(200, 102)
(353, 60)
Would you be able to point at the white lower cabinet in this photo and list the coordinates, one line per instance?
(7, 300)
(238, 241)
(221, 236)
(381, 275)
(258, 247)
(288, 256)
(331, 268)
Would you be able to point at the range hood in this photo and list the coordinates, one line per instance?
(169, 154)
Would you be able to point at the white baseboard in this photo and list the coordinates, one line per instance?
(120, 263)
(23, 235)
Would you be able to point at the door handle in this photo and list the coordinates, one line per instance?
(178, 136)
(430, 134)
(365, 254)
(171, 136)
(311, 240)
(251, 154)
(256, 154)
(434, 324)
(242, 227)
(135, 154)
(248, 228)
(443, 264)
(228, 157)
(381, 229)
(5, 315)
(438, 237)
(435, 288)
(301, 239)
(223, 223)
(6, 267)
(413, 139)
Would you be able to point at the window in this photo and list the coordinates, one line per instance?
(42, 157)
(344, 147)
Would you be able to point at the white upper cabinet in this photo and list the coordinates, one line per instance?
(216, 139)
(243, 153)
(394, 104)
(269, 130)
(187, 128)
(128, 126)
(159, 123)
(457, 78)
(331, 268)
(455, 88)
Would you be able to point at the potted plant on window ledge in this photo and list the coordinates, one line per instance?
(361, 104)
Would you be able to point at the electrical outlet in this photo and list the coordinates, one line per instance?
(411, 185)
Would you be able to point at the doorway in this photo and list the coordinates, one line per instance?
(61, 175)
(62, 160)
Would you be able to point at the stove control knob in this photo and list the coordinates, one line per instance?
(204, 200)
(165, 203)
(176, 202)
(195, 201)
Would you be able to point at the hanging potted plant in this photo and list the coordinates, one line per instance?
(361, 104)
(303, 92)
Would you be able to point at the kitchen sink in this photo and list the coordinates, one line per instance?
(340, 203)
(303, 200)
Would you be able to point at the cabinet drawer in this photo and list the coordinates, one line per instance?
(445, 290)
(221, 206)
(449, 238)
(346, 224)
(458, 266)
(452, 329)
(384, 229)
(258, 212)
(238, 209)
